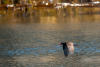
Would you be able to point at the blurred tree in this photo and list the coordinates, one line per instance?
(66, 0)
(88, 0)
(0, 1)
(4, 1)
(16, 1)
(83, 1)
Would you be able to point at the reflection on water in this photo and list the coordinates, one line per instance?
(32, 40)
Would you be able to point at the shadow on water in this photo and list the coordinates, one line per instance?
(32, 41)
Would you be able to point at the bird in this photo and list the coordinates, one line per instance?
(68, 48)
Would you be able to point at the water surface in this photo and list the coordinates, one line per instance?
(31, 40)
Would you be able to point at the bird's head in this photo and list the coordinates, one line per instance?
(62, 43)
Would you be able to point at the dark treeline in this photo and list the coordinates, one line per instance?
(10, 1)
(81, 1)
(31, 1)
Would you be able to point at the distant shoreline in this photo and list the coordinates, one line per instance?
(48, 5)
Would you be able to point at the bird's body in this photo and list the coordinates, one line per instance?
(68, 48)
(65, 49)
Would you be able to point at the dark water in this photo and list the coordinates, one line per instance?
(31, 40)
